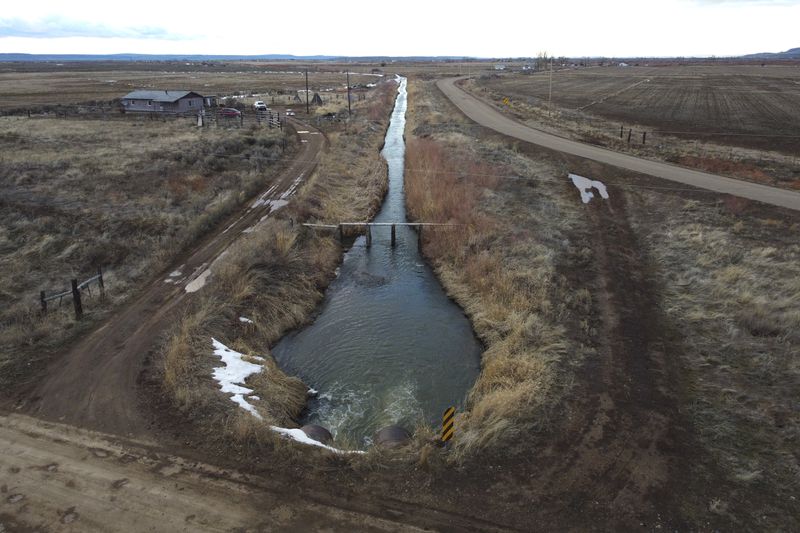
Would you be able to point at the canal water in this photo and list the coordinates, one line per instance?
(388, 346)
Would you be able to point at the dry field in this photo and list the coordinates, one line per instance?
(275, 276)
(128, 196)
(48, 85)
(758, 104)
(737, 120)
(642, 352)
(730, 278)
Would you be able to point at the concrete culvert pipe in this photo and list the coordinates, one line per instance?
(318, 433)
(392, 437)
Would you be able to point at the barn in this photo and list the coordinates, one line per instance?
(187, 102)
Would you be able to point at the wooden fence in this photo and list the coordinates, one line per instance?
(75, 292)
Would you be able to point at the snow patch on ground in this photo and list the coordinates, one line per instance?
(262, 200)
(173, 275)
(274, 205)
(199, 282)
(585, 185)
(289, 192)
(232, 376)
(299, 436)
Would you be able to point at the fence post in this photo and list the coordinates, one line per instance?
(44, 302)
(76, 299)
(644, 137)
(100, 282)
(630, 132)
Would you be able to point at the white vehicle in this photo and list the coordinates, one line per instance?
(289, 113)
(260, 106)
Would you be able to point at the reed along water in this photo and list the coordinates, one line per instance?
(388, 346)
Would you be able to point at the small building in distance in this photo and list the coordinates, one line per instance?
(187, 102)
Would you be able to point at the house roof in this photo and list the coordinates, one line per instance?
(159, 96)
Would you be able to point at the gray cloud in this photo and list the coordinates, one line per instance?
(54, 27)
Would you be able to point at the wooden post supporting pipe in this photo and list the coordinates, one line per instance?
(100, 282)
(369, 236)
(76, 299)
(394, 235)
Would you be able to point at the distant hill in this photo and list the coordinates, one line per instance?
(793, 53)
(202, 57)
(157, 57)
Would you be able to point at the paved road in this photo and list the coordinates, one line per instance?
(94, 384)
(488, 116)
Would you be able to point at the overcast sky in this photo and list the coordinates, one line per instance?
(413, 27)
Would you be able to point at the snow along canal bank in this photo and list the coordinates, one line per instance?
(231, 379)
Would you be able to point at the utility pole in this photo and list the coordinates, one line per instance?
(550, 95)
(307, 111)
(348, 93)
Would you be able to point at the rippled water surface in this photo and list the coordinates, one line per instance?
(388, 346)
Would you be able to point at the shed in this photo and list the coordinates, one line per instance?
(162, 102)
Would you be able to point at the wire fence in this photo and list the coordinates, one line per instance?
(75, 291)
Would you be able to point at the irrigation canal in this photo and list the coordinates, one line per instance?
(388, 346)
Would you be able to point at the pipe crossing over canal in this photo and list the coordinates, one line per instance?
(369, 225)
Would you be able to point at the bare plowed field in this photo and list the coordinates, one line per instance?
(750, 106)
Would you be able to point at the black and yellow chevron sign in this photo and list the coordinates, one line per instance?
(448, 419)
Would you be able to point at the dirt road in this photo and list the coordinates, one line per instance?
(60, 478)
(94, 385)
(486, 115)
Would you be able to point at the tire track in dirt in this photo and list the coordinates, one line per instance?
(60, 478)
(620, 456)
(95, 383)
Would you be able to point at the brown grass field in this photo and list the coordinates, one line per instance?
(641, 366)
(49, 85)
(125, 195)
(677, 309)
(276, 275)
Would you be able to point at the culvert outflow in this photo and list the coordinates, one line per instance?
(388, 346)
